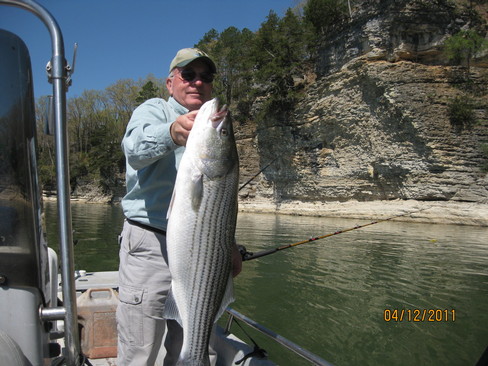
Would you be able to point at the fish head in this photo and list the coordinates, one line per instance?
(216, 146)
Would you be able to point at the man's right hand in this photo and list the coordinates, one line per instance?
(180, 129)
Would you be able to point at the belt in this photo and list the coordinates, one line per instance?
(146, 227)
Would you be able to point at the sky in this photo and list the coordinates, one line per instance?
(122, 39)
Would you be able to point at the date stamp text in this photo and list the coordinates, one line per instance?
(419, 315)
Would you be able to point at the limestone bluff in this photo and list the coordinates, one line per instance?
(374, 123)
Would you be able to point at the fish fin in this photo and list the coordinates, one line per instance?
(196, 192)
(227, 299)
(170, 308)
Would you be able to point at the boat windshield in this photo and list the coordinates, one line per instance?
(20, 227)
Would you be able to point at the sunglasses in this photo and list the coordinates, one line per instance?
(190, 76)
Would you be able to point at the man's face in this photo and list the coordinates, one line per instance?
(190, 93)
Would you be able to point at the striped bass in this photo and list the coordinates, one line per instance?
(200, 233)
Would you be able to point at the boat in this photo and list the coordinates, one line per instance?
(50, 313)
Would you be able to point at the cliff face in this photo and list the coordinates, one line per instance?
(413, 30)
(374, 122)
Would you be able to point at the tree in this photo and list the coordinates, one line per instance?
(208, 41)
(323, 14)
(266, 46)
(231, 50)
(280, 52)
(463, 46)
(225, 52)
(121, 97)
(264, 63)
(461, 112)
(148, 91)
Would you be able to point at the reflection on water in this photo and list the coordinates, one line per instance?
(95, 231)
(330, 295)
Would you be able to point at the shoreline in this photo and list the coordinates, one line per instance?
(431, 212)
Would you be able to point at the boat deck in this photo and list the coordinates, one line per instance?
(229, 348)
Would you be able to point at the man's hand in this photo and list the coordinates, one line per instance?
(180, 129)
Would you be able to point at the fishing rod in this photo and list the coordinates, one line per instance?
(247, 256)
(262, 170)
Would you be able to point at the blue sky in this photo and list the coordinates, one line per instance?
(119, 39)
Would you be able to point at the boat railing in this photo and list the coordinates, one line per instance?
(303, 353)
(59, 75)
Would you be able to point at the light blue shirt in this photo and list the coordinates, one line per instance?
(152, 160)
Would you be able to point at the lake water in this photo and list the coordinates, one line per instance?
(388, 294)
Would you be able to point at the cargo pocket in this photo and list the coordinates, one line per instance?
(130, 315)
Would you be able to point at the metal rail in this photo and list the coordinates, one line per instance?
(58, 75)
(307, 355)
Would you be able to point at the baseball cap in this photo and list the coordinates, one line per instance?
(187, 55)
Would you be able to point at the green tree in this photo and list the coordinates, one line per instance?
(233, 55)
(261, 64)
(463, 46)
(231, 51)
(208, 41)
(148, 91)
(294, 37)
(96, 124)
(121, 96)
(281, 54)
(266, 47)
(461, 112)
(323, 14)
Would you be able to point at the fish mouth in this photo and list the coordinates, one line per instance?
(218, 117)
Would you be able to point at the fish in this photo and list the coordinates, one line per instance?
(201, 231)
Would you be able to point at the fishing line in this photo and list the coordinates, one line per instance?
(257, 351)
(247, 256)
(262, 170)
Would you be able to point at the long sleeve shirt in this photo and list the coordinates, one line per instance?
(152, 160)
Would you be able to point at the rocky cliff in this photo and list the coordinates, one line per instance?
(374, 122)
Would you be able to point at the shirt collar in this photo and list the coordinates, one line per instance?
(177, 106)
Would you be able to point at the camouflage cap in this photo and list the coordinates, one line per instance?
(187, 55)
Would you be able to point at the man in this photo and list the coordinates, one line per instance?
(153, 145)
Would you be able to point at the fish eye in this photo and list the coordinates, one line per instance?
(224, 132)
